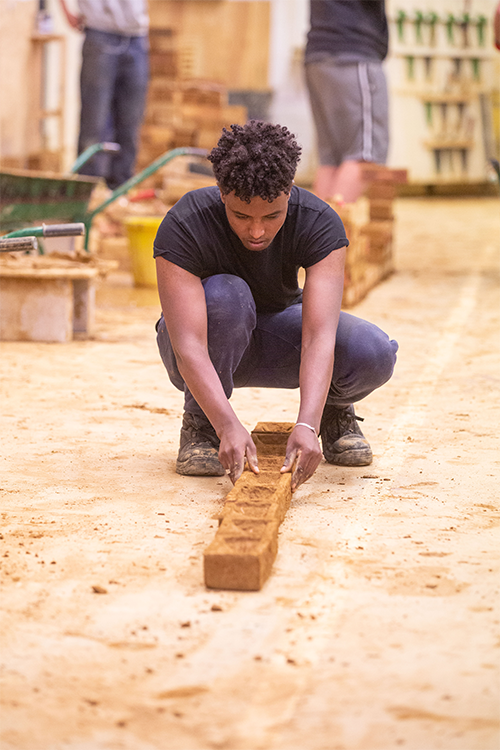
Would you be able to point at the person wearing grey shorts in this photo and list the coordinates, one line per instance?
(346, 46)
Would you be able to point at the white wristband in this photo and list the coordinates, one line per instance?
(304, 424)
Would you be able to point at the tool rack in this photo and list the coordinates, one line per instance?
(441, 82)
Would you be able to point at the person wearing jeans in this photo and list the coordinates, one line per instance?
(234, 316)
(113, 82)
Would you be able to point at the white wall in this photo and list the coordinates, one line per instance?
(290, 106)
(74, 40)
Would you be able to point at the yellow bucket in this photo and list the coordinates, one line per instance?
(141, 231)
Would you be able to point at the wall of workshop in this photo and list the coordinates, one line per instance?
(290, 102)
(444, 80)
(283, 75)
(22, 62)
(444, 108)
(17, 23)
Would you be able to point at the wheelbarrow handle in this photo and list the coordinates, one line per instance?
(64, 230)
(159, 162)
(12, 244)
(108, 147)
(136, 179)
(50, 230)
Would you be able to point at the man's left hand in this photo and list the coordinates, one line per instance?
(303, 455)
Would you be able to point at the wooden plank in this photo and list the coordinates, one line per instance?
(221, 41)
(36, 272)
(245, 546)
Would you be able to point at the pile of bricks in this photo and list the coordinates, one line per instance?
(369, 225)
(180, 110)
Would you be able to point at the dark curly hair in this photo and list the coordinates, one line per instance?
(256, 159)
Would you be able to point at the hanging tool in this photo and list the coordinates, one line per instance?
(428, 113)
(428, 67)
(431, 20)
(400, 23)
(476, 68)
(481, 22)
(419, 19)
(410, 61)
(464, 23)
(450, 23)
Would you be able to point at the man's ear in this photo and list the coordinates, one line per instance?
(222, 196)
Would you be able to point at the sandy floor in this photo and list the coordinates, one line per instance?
(379, 627)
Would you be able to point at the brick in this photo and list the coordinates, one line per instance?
(243, 551)
(380, 172)
(381, 189)
(381, 209)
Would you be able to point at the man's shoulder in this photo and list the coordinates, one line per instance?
(197, 201)
(300, 198)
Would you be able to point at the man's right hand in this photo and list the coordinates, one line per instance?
(185, 311)
(236, 445)
(76, 22)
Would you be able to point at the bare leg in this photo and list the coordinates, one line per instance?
(324, 182)
(349, 182)
(343, 184)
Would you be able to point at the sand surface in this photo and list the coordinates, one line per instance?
(379, 627)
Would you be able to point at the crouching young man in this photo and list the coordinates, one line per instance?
(234, 316)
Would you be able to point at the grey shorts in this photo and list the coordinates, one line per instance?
(349, 103)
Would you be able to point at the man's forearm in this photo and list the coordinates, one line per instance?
(315, 378)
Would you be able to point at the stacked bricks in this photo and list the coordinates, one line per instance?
(180, 110)
(369, 225)
(245, 546)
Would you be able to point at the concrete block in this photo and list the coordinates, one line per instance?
(45, 299)
(83, 307)
(36, 310)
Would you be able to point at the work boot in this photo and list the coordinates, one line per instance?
(343, 442)
(199, 448)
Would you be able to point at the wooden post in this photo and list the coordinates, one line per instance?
(242, 554)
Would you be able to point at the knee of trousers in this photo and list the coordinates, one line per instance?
(374, 356)
(229, 303)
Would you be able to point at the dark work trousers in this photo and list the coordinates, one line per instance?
(113, 86)
(263, 349)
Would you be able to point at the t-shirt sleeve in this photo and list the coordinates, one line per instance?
(325, 235)
(175, 242)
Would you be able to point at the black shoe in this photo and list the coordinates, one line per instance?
(199, 448)
(343, 442)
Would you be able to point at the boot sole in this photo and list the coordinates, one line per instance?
(199, 468)
(360, 457)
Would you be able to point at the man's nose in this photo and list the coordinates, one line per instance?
(256, 229)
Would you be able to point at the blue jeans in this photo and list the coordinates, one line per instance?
(113, 85)
(263, 349)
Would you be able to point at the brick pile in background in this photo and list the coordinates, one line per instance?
(369, 225)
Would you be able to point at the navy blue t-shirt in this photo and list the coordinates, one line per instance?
(348, 29)
(195, 235)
